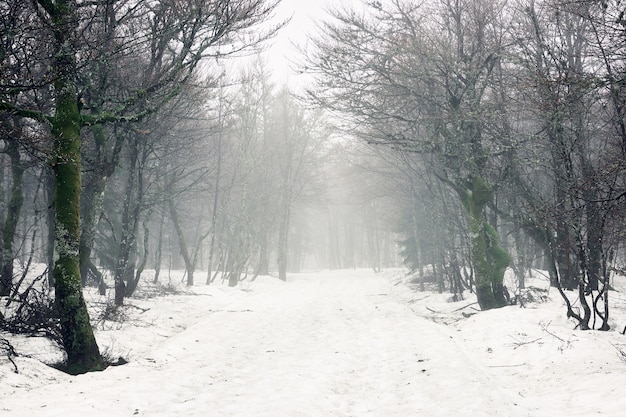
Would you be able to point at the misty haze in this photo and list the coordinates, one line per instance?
(327, 208)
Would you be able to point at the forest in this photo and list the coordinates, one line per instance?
(457, 138)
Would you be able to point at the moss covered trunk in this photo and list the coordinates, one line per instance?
(79, 342)
(490, 261)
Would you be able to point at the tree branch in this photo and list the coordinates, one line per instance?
(30, 114)
(47, 5)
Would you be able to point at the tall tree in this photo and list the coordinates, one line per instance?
(426, 85)
(194, 31)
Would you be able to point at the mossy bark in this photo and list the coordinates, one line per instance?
(80, 345)
(490, 261)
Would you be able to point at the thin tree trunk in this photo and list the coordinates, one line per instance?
(134, 281)
(14, 208)
(283, 236)
(263, 267)
(50, 219)
(215, 206)
(184, 251)
(127, 239)
(93, 196)
(92, 207)
(159, 250)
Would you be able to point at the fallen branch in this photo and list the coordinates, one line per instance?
(507, 366)
(520, 344)
(11, 353)
(413, 301)
(620, 352)
(143, 310)
(464, 307)
(566, 343)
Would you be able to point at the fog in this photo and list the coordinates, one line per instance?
(233, 139)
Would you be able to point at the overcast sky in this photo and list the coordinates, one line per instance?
(304, 15)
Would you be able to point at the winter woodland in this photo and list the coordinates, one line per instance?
(431, 222)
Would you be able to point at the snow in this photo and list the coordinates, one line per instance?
(339, 343)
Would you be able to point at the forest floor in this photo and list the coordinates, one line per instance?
(342, 343)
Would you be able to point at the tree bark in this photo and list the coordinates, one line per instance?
(93, 196)
(263, 267)
(490, 261)
(184, 251)
(50, 219)
(158, 255)
(133, 281)
(80, 345)
(127, 239)
(92, 206)
(14, 208)
(283, 236)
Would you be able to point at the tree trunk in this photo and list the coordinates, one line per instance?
(521, 248)
(159, 250)
(14, 208)
(283, 235)
(50, 216)
(80, 345)
(594, 243)
(133, 281)
(92, 207)
(490, 261)
(216, 196)
(127, 239)
(373, 239)
(93, 196)
(233, 278)
(263, 267)
(184, 251)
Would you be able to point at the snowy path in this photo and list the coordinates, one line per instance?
(332, 345)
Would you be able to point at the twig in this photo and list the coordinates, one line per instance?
(566, 343)
(417, 299)
(620, 352)
(10, 352)
(544, 327)
(507, 366)
(519, 344)
(143, 310)
(464, 307)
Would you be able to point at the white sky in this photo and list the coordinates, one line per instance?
(304, 15)
(281, 52)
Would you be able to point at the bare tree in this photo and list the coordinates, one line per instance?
(427, 86)
(202, 28)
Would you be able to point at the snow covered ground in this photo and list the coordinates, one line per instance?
(342, 343)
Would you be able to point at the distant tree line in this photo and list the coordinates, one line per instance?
(506, 122)
(125, 146)
(79, 80)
